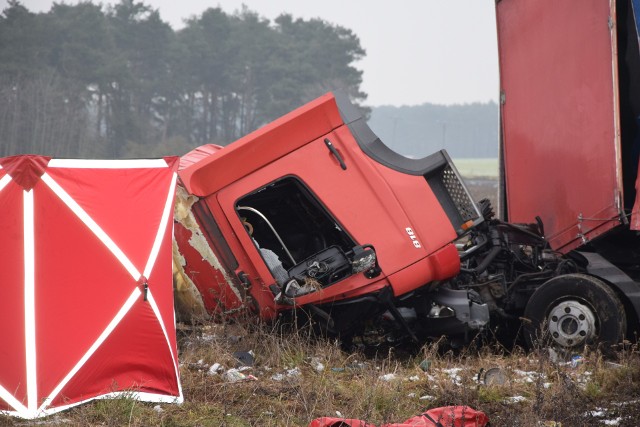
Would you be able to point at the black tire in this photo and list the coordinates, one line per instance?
(572, 311)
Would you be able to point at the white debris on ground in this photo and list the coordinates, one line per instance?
(453, 374)
(288, 374)
(215, 369)
(427, 378)
(55, 420)
(207, 338)
(317, 365)
(388, 377)
(234, 375)
(515, 399)
(627, 403)
(529, 376)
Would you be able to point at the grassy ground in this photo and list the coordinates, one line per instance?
(296, 379)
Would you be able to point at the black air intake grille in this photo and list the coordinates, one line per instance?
(449, 189)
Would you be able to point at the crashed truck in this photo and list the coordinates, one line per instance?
(313, 215)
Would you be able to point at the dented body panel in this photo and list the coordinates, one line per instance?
(197, 268)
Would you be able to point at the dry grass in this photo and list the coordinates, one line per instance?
(291, 388)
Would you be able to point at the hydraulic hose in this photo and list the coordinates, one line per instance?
(493, 253)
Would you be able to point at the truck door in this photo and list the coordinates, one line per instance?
(318, 203)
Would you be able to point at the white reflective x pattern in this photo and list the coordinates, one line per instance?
(32, 410)
(4, 181)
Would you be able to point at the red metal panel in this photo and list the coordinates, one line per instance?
(558, 79)
(218, 294)
(370, 201)
(197, 154)
(263, 146)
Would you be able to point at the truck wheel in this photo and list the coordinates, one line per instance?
(571, 311)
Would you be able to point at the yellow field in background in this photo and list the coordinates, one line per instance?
(472, 168)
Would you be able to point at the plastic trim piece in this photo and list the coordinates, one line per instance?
(377, 150)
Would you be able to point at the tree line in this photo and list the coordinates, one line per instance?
(115, 81)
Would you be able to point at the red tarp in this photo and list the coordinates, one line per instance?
(86, 296)
(445, 416)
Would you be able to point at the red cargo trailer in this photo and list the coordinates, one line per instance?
(560, 117)
(570, 102)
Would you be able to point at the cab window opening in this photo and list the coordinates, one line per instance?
(289, 220)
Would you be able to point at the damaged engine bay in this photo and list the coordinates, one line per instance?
(502, 265)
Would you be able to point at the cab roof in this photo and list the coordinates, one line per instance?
(212, 172)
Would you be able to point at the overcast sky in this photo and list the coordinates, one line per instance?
(437, 51)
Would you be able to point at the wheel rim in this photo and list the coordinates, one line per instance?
(571, 323)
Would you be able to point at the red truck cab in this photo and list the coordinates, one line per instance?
(314, 211)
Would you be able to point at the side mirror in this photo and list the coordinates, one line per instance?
(365, 261)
